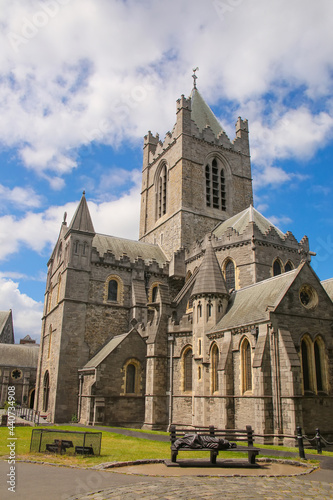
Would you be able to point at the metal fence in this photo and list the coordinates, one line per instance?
(28, 414)
(302, 441)
(65, 442)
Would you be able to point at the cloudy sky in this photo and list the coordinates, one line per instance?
(82, 81)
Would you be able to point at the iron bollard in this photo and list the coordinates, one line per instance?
(300, 442)
(318, 442)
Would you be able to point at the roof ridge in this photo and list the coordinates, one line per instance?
(272, 278)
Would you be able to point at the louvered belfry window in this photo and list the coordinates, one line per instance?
(162, 191)
(215, 185)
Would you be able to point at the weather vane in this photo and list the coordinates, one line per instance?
(194, 76)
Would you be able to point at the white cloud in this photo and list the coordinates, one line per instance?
(39, 231)
(298, 133)
(109, 71)
(280, 221)
(27, 313)
(20, 197)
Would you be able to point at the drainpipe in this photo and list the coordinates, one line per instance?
(276, 381)
(171, 341)
(80, 397)
(38, 382)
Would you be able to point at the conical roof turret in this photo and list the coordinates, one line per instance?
(202, 115)
(210, 280)
(81, 220)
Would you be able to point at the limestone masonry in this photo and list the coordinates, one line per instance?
(213, 317)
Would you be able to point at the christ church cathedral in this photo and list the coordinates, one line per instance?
(214, 316)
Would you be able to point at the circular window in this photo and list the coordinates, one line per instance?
(308, 296)
(16, 374)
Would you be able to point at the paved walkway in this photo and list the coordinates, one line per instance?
(68, 483)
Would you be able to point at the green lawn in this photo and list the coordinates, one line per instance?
(115, 448)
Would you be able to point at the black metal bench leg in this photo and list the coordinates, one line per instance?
(213, 456)
(174, 456)
(252, 458)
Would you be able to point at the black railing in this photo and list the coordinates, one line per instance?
(317, 441)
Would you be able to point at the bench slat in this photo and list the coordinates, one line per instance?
(229, 434)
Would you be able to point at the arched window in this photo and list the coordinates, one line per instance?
(319, 356)
(246, 365)
(215, 363)
(319, 377)
(199, 311)
(188, 275)
(229, 274)
(313, 364)
(113, 290)
(130, 378)
(215, 185)
(187, 368)
(306, 364)
(277, 269)
(162, 191)
(289, 266)
(76, 247)
(46, 390)
(32, 398)
(154, 293)
(209, 309)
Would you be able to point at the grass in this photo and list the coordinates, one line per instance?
(115, 448)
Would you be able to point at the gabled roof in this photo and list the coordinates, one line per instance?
(210, 278)
(240, 221)
(328, 286)
(202, 115)
(95, 361)
(133, 249)
(4, 315)
(81, 220)
(19, 356)
(6, 334)
(252, 303)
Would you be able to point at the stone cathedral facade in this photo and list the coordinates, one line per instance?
(214, 316)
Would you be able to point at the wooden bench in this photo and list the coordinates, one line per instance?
(231, 435)
(59, 445)
(84, 450)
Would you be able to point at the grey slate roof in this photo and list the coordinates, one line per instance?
(249, 305)
(19, 355)
(202, 115)
(105, 351)
(81, 220)
(4, 315)
(209, 279)
(133, 249)
(239, 223)
(328, 286)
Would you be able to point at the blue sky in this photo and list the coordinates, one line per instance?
(82, 81)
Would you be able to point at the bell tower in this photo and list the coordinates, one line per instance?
(195, 178)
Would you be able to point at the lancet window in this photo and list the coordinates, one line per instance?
(187, 369)
(215, 185)
(162, 191)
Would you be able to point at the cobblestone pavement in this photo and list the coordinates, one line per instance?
(208, 488)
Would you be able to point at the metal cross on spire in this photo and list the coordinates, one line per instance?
(194, 76)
